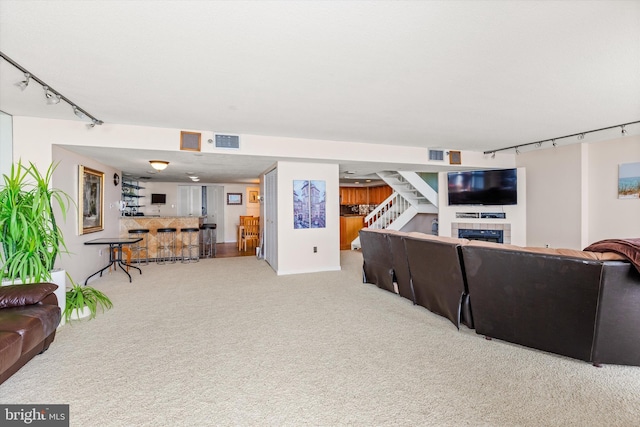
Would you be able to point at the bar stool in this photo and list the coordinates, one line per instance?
(190, 244)
(208, 241)
(142, 247)
(166, 250)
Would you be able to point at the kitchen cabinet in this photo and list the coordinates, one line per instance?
(364, 195)
(350, 225)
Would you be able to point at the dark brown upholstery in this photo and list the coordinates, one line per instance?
(400, 265)
(29, 316)
(436, 274)
(377, 265)
(575, 307)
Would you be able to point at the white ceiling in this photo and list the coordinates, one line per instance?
(470, 75)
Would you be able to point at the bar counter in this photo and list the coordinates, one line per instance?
(152, 223)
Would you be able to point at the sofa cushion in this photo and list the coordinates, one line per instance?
(444, 239)
(10, 349)
(31, 328)
(19, 295)
(575, 253)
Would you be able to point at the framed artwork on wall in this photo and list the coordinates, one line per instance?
(90, 200)
(234, 198)
(253, 197)
(629, 181)
(309, 204)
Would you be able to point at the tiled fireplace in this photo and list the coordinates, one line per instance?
(500, 233)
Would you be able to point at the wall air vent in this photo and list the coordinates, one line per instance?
(436, 155)
(228, 141)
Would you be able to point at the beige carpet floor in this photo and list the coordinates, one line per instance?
(227, 342)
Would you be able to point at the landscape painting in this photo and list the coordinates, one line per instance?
(629, 181)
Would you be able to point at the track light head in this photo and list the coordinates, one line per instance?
(78, 113)
(517, 150)
(23, 84)
(52, 97)
(581, 136)
(554, 143)
(493, 155)
(623, 131)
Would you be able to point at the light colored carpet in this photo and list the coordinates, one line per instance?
(227, 342)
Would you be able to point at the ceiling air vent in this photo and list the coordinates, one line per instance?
(436, 155)
(227, 141)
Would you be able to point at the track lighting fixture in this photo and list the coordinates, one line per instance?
(52, 96)
(159, 165)
(78, 113)
(554, 142)
(23, 84)
(493, 155)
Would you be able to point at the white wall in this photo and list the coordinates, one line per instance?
(516, 215)
(554, 196)
(84, 260)
(295, 247)
(572, 193)
(610, 217)
(6, 143)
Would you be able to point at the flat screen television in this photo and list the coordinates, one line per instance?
(483, 187)
(158, 199)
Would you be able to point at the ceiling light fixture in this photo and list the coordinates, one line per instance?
(159, 165)
(623, 131)
(580, 136)
(493, 155)
(52, 95)
(23, 84)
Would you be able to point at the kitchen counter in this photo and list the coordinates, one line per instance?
(152, 223)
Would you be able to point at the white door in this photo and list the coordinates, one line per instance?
(271, 219)
(215, 209)
(189, 200)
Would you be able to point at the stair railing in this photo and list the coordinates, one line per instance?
(387, 211)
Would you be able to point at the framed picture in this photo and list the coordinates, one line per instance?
(234, 198)
(309, 204)
(253, 197)
(90, 200)
(629, 181)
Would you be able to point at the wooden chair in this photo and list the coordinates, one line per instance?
(251, 232)
(243, 218)
(125, 252)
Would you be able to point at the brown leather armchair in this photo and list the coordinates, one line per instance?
(29, 316)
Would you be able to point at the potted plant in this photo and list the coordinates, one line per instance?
(83, 301)
(31, 238)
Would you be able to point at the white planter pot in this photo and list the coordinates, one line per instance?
(58, 277)
(80, 314)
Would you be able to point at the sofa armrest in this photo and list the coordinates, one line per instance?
(21, 295)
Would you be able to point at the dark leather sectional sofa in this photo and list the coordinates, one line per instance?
(583, 305)
(29, 316)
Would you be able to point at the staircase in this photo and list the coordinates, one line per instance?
(412, 195)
